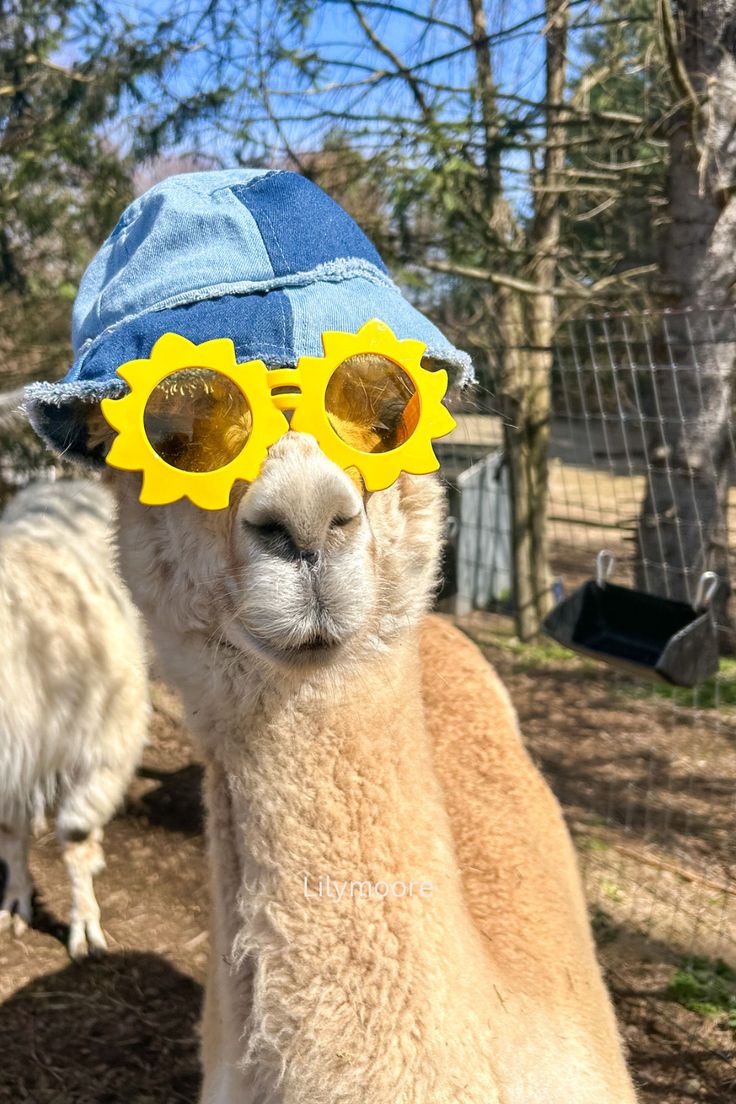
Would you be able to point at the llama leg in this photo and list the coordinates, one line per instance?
(84, 858)
(39, 823)
(15, 877)
(87, 802)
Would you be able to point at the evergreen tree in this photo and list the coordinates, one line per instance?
(613, 209)
(64, 73)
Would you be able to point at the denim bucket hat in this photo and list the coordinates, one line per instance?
(265, 258)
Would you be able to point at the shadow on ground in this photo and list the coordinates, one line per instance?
(675, 1053)
(664, 774)
(176, 803)
(116, 1030)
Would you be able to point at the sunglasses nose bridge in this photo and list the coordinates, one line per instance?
(282, 378)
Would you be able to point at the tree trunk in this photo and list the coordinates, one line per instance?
(526, 384)
(512, 360)
(682, 526)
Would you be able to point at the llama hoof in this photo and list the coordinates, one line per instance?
(15, 913)
(19, 925)
(86, 940)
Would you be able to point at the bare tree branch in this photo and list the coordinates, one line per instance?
(401, 69)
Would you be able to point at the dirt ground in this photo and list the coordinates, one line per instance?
(648, 786)
(122, 1028)
(649, 790)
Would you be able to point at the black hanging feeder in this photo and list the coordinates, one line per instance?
(640, 632)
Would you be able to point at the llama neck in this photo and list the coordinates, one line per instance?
(331, 778)
(350, 913)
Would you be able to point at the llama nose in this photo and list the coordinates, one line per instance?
(300, 501)
(276, 538)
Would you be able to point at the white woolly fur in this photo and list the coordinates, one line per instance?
(74, 705)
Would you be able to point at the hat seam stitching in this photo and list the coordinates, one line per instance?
(332, 272)
(248, 183)
(130, 214)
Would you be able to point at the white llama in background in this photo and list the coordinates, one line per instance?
(74, 702)
(349, 738)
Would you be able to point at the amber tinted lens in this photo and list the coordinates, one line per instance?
(197, 420)
(371, 403)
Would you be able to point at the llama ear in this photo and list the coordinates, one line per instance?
(100, 435)
(418, 492)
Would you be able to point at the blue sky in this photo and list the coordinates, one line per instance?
(335, 34)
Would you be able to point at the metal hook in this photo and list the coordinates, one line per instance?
(604, 563)
(707, 587)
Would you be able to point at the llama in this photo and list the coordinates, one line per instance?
(73, 692)
(397, 914)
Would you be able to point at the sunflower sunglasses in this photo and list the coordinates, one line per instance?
(195, 420)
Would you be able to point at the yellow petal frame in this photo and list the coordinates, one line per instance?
(162, 483)
(132, 451)
(379, 469)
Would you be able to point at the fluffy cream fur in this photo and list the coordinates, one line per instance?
(73, 690)
(348, 738)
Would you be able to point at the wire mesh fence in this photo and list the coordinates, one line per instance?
(641, 464)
